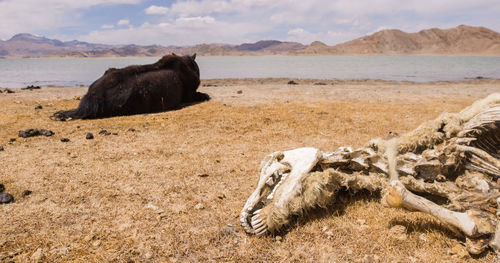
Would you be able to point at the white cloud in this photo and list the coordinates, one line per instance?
(107, 26)
(156, 10)
(48, 15)
(182, 31)
(237, 21)
(329, 37)
(123, 22)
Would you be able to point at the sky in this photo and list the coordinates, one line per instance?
(191, 22)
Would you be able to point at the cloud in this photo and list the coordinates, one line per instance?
(123, 22)
(237, 21)
(156, 10)
(329, 37)
(107, 26)
(182, 31)
(19, 15)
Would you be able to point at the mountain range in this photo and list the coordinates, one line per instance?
(461, 40)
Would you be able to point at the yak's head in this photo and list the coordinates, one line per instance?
(186, 66)
(281, 177)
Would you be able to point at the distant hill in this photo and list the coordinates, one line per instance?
(462, 40)
(27, 45)
(265, 47)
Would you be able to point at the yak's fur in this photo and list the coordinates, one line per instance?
(157, 87)
(434, 132)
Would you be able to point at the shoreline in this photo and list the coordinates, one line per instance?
(308, 81)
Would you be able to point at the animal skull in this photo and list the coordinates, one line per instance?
(456, 156)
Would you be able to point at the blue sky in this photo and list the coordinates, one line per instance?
(180, 22)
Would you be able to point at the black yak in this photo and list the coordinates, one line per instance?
(157, 87)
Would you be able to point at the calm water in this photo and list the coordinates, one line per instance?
(21, 72)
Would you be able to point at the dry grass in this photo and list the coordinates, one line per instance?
(131, 197)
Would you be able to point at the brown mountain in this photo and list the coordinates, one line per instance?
(462, 40)
(27, 45)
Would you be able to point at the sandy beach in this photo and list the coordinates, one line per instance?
(169, 187)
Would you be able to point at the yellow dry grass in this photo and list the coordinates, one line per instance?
(132, 196)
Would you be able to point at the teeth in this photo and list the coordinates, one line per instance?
(263, 227)
(261, 232)
(257, 211)
(255, 217)
(255, 222)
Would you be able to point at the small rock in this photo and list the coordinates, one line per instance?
(35, 132)
(319, 84)
(1, 148)
(38, 256)
(31, 87)
(239, 92)
(199, 206)
(422, 237)
(348, 252)
(96, 243)
(77, 98)
(291, 82)
(26, 193)
(89, 136)
(324, 229)
(38, 107)
(361, 221)
(412, 259)
(11, 140)
(64, 140)
(104, 132)
(221, 196)
(148, 255)
(279, 238)
(8, 91)
(2, 188)
(6, 198)
(115, 133)
(203, 175)
(131, 130)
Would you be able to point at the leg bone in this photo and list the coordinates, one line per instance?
(468, 222)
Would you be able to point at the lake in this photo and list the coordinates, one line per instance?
(15, 73)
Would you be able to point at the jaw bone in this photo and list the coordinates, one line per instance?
(455, 157)
(282, 172)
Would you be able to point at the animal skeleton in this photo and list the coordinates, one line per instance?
(456, 157)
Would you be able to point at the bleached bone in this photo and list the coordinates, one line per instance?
(398, 196)
(455, 157)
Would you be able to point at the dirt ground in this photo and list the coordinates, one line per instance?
(172, 190)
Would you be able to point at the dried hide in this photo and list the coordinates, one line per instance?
(455, 157)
